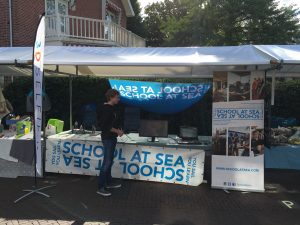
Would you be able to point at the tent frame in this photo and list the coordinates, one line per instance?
(194, 62)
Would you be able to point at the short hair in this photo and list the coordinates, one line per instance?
(111, 93)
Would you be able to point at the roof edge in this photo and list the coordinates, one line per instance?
(128, 8)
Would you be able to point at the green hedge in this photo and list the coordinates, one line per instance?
(287, 99)
(85, 90)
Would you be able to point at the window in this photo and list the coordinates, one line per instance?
(50, 7)
(62, 7)
(59, 9)
(56, 7)
(62, 11)
(113, 13)
(109, 30)
(112, 17)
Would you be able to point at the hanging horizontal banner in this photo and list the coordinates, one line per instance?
(168, 165)
(165, 98)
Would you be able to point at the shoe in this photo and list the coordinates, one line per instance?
(103, 192)
(113, 185)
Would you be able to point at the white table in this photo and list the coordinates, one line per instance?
(135, 158)
(10, 166)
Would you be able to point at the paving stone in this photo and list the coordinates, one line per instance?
(24, 222)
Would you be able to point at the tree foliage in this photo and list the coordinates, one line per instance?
(220, 22)
(135, 24)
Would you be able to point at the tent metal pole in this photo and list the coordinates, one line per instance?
(273, 87)
(71, 100)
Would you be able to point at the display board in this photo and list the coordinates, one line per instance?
(238, 131)
(161, 164)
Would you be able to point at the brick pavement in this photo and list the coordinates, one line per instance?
(45, 222)
(74, 201)
(35, 222)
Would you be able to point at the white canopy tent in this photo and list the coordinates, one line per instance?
(190, 62)
(185, 62)
(287, 55)
(289, 58)
(9, 55)
(172, 62)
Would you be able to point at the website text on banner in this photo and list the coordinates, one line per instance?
(165, 98)
(238, 131)
(180, 166)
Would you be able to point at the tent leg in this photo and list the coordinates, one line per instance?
(71, 100)
(273, 88)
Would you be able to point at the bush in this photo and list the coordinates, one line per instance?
(85, 90)
(287, 99)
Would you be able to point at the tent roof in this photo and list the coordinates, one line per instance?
(155, 61)
(9, 55)
(128, 8)
(288, 54)
(95, 56)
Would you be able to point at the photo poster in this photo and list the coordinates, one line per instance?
(238, 131)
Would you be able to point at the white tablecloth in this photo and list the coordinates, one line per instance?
(6, 143)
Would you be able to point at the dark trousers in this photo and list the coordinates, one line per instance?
(109, 146)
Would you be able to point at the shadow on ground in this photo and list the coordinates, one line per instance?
(141, 203)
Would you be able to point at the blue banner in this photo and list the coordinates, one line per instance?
(74, 155)
(165, 98)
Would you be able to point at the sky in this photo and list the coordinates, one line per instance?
(282, 2)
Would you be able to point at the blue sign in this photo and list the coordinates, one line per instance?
(165, 98)
(181, 166)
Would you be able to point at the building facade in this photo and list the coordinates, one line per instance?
(68, 22)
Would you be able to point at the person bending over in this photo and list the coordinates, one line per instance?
(110, 132)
